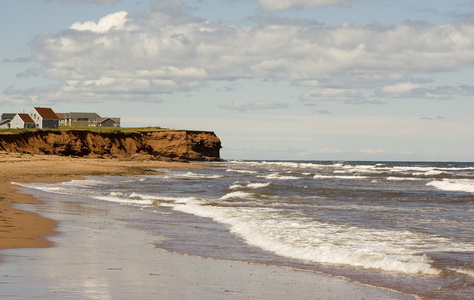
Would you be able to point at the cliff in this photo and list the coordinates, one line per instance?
(170, 144)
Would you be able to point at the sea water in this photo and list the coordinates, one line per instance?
(401, 226)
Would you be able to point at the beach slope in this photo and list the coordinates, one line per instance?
(22, 229)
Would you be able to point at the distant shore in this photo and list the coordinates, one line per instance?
(22, 229)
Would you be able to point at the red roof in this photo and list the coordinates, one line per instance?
(46, 113)
(26, 118)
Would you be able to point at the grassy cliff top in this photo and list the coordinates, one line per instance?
(96, 129)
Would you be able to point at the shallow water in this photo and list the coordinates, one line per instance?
(403, 226)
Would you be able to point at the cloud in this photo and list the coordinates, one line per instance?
(31, 72)
(433, 118)
(100, 2)
(245, 106)
(329, 94)
(324, 112)
(167, 50)
(114, 21)
(416, 90)
(271, 5)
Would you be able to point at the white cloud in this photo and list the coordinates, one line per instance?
(348, 95)
(245, 106)
(114, 21)
(399, 89)
(416, 90)
(272, 5)
(168, 50)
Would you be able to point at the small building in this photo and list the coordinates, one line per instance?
(108, 122)
(22, 121)
(5, 123)
(44, 117)
(8, 116)
(62, 119)
(81, 119)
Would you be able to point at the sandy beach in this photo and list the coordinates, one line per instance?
(22, 229)
(69, 249)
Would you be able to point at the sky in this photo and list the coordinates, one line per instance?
(275, 80)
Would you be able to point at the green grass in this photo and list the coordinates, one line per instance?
(93, 129)
(97, 129)
(114, 129)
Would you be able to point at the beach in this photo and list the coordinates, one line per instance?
(22, 229)
(84, 250)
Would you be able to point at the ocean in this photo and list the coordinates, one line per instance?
(403, 226)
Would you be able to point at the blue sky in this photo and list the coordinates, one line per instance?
(293, 79)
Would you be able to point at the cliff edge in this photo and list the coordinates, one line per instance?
(166, 145)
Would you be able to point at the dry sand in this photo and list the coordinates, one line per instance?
(97, 257)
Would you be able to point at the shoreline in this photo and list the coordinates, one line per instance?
(25, 229)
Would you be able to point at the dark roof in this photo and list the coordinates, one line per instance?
(26, 118)
(46, 113)
(8, 116)
(6, 121)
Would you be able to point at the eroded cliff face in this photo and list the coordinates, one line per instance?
(173, 144)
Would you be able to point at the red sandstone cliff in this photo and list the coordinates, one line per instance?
(172, 144)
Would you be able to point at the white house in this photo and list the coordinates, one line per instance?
(44, 117)
(22, 121)
(5, 123)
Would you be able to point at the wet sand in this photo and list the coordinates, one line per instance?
(21, 229)
(90, 253)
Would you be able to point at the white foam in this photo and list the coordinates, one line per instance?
(429, 173)
(278, 176)
(467, 272)
(455, 185)
(125, 200)
(366, 169)
(239, 194)
(242, 171)
(249, 185)
(318, 176)
(392, 178)
(315, 241)
(236, 186)
(258, 185)
(196, 175)
(283, 164)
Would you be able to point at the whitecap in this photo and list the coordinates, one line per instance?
(455, 185)
(278, 176)
(239, 194)
(318, 176)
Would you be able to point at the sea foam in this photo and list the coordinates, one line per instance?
(455, 185)
(310, 240)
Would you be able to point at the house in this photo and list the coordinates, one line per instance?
(109, 122)
(5, 123)
(80, 119)
(44, 117)
(87, 119)
(7, 116)
(62, 119)
(22, 121)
